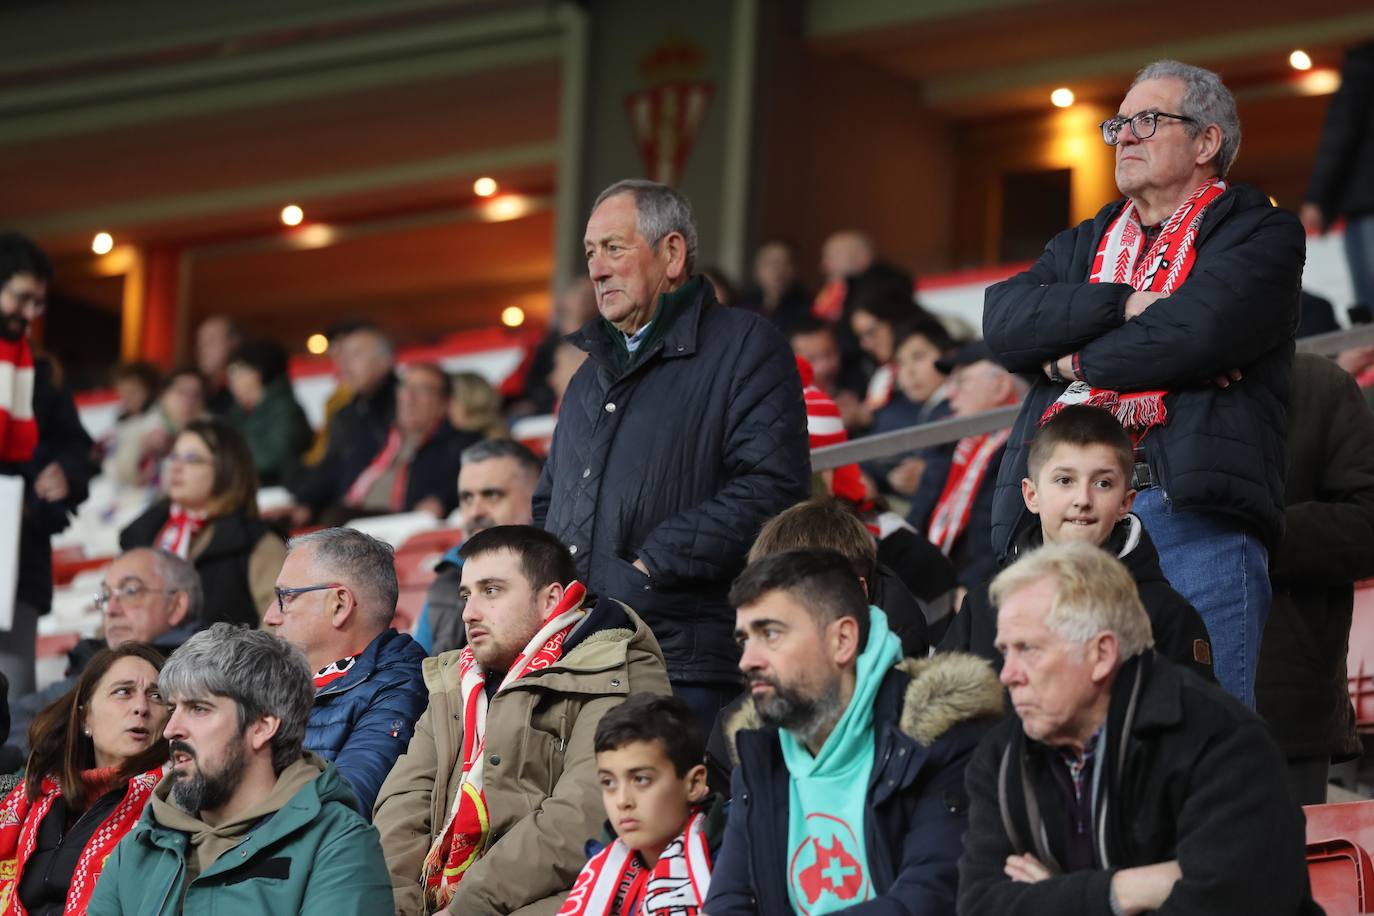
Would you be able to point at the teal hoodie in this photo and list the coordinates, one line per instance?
(315, 856)
(828, 861)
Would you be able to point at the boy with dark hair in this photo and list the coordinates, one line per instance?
(664, 828)
(1080, 487)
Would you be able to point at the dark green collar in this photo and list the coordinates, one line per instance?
(670, 308)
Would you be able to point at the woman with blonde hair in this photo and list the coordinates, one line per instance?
(476, 407)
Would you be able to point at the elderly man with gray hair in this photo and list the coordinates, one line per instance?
(1122, 784)
(679, 436)
(1175, 309)
(336, 597)
(245, 821)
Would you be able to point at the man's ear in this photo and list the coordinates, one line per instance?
(1209, 143)
(181, 606)
(1104, 653)
(675, 251)
(1126, 504)
(844, 640)
(1029, 495)
(261, 731)
(344, 606)
(697, 789)
(550, 597)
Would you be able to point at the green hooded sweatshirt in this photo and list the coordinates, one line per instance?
(826, 852)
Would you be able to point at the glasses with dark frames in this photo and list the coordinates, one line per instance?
(285, 593)
(1143, 125)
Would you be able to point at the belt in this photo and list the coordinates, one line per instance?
(1141, 478)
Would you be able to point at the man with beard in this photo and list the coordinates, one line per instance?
(41, 442)
(245, 822)
(850, 783)
(486, 812)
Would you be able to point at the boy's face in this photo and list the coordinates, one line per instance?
(646, 801)
(1080, 494)
(917, 376)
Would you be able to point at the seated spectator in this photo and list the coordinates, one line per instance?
(849, 783)
(360, 429)
(919, 345)
(265, 410)
(416, 467)
(1123, 783)
(149, 596)
(146, 440)
(574, 306)
(135, 384)
(1079, 490)
(487, 810)
(953, 504)
(217, 338)
(257, 825)
(495, 487)
(98, 751)
(475, 407)
(814, 340)
(777, 294)
(210, 517)
(336, 597)
(664, 827)
(877, 315)
(1328, 544)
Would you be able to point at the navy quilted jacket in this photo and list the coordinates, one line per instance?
(1222, 449)
(677, 462)
(363, 721)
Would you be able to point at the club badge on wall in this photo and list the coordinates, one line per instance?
(666, 117)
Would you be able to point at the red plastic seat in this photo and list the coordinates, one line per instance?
(1339, 838)
(1360, 657)
(416, 558)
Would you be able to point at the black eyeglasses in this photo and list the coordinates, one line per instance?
(1143, 125)
(285, 593)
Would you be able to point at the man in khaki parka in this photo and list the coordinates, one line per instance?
(488, 810)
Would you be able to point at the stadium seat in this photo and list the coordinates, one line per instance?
(1339, 838)
(1360, 657)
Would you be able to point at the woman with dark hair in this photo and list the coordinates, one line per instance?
(97, 753)
(210, 517)
(266, 411)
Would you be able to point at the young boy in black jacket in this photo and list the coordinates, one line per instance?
(1080, 489)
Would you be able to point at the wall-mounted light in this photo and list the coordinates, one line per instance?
(485, 187)
(1300, 60)
(292, 215)
(1061, 97)
(103, 243)
(512, 316)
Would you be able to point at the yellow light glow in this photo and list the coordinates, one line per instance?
(1273, 201)
(513, 316)
(317, 344)
(1061, 97)
(1319, 82)
(507, 206)
(292, 215)
(103, 243)
(484, 187)
(1300, 60)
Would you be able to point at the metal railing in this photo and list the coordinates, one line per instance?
(952, 429)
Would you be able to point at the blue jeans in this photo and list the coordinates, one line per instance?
(1223, 569)
(1359, 254)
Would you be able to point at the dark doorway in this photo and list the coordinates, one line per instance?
(1035, 206)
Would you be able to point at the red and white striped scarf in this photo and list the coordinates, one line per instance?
(972, 456)
(824, 426)
(1162, 269)
(880, 387)
(357, 493)
(18, 428)
(19, 822)
(181, 529)
(675, 886)
(464, 836)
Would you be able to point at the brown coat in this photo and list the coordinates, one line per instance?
(539, 778)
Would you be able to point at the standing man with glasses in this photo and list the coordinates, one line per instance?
(148, 595)
(42, 443)
(1175, 309)
(336, 597)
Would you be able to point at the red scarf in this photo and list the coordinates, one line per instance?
(18, 428)
(675, 886)
(19, 822)
(880, 387)
(181, 529)
(357, 493)
(1163, 268)
(825, 427)
(972, 457)
(829, 304)
(464, 838)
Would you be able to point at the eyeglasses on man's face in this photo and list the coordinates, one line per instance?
(286, 595)
(133, 593)
(1142, 125)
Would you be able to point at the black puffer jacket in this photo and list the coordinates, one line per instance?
(1343, 174)
(678, 463)
(1180, 635)
(1222, 449)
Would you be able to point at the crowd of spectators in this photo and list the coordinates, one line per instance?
(1091, 662)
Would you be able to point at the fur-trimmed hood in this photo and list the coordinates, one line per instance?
(944, 690)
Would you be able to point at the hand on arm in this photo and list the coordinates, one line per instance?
(1145, 888)
(51, 484)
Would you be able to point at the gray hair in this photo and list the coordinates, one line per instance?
(1207, 100)
(263, 675)
(660, 210)
(180, 576)
(360, 561)
(488, 449)
(1093, 593)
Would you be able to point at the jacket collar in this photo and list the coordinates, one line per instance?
(368, 662)
(680, 340)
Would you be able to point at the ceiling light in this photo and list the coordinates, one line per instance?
(1300, 60)
(103, 243)
(1061, 97)
(513, 316)
(317, 344)
(292, 215)
(484, 187)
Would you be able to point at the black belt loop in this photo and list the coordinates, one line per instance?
(1141, 478)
